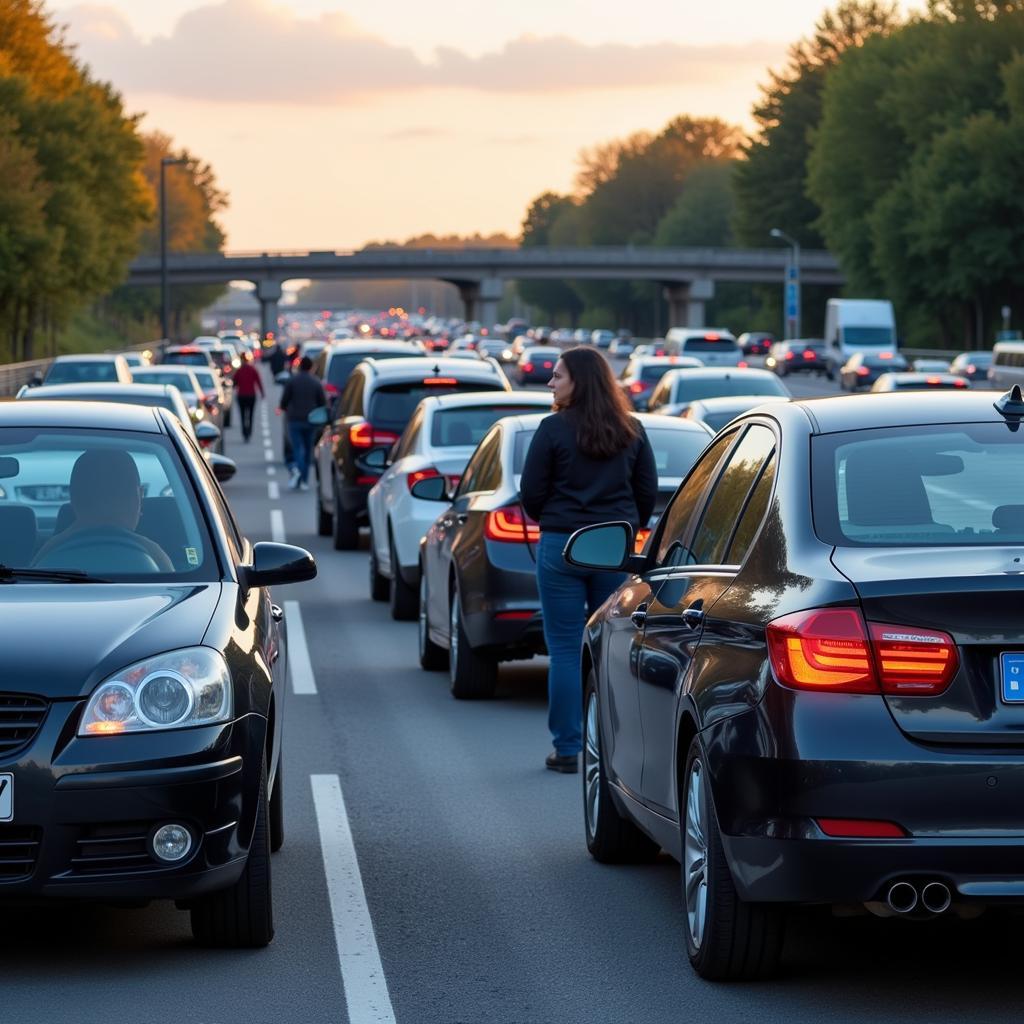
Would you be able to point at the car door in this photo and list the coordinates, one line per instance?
(698, 568)
(385, 499)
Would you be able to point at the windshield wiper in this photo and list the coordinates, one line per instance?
(11, 574)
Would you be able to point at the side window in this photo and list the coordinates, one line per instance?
(722, 512)
(753, 515)
(679, 516)
(409, 437)
(484, 470)
(658, 396)
(352, 396)
(320, 366)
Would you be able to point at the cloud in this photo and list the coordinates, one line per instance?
(252, 52)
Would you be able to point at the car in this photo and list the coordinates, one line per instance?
(438, 441)
(972, 366)
(373, 410)
(930, 366)
(864, 368)
(713, 346)
(180, 377)
(1007, 366)
(81, 369)
(225, 358)
(715, 413)
(218, 394)
(337, 361)
(536, 365)
(602, 338)
(797, 356)
(134, 359)
(755, 343)
(620, 348)
(807, 689)
(478, 602)
(141, 748)
(206, 339)
(311, 347)
(641, 374)
(677, 388)
(188, 355)
(491, 348)
(919, 382)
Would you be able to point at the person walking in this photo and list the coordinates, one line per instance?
(590, 462)
(301, 395)
(247, 384)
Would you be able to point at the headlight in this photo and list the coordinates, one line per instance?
(171, 691)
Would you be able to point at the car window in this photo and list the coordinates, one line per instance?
(341, 364)
(675, 451)
(352, 398)
(679, 515)
(185, 382)
(467, 425)
(691, 389)
(115, 504)
(391, 405)
(660, 394)
(752, 515)
(81, 372)
(722, 511)
(410, 436)
(521, 447)
(483, 473)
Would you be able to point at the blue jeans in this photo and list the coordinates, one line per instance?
(300, 433)
(568, 596)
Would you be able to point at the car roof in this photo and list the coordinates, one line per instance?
(914, 376)
(401, 369)
(370, 345)
(92, 388)
(721, 372)
(79, 414)
(742, 402)
(94, 357)
(893, 409)
(470, 398)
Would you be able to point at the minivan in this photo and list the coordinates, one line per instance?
(713, 346)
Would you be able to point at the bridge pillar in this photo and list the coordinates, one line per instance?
(481, 298)
(269, 293)
(686, 302)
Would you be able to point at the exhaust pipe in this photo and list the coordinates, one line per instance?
(902, 897)
(935, 897)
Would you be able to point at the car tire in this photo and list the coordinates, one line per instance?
(324, 520)
(611, 838)
(433, 658)
(727, 939)
(380, 586)
(346, 529)
(277, 809)
(242, 916)
(405, 603)
(473, 676)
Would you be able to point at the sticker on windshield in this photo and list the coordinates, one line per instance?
(192, 555)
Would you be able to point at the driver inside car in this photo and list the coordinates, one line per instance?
(106, 499)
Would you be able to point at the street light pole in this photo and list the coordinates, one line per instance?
(165, 162)
(791, 295)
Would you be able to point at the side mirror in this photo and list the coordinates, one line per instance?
(377, 459)
(318, 417)
(223, 467)
(282, 378)
(277, 563)
(433, 488)
(605, 546)
(207, 434)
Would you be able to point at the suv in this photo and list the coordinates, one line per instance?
(713, 346)
(337, 361)
(373, 410)
(103, 369)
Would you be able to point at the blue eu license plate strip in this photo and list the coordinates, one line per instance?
(1012, 666)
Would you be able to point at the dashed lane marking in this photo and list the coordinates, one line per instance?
(268, 454)
(300, 668)
(273, 490)
(277, 525)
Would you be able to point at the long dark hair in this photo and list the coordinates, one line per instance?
(599, 410)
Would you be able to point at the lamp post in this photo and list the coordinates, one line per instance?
(791, 294)
(165, 162)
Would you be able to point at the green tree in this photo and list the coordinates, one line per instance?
(702, 214)
(555, 298)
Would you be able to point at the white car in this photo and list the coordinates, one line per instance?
(441, 436)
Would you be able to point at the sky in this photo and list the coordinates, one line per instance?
(331, 123)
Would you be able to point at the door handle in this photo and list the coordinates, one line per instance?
(276, 612)
(639, 616)
(694, 615)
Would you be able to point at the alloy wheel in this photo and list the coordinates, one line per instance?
(695, 855)
(592, 767)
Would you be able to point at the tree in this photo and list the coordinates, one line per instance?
(702, 214)
(552, 297)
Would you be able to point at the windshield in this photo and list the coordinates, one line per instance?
(184, 382)
(186, 359)
(114, 504)
(80, 373)
(722, 345)
(464, 426)
(873, 337)
(689, 389)
(936, 485)
(392, 405)
(675, 451)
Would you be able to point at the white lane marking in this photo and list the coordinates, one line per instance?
(268, 454)
(362, 974)
(277, 525)
(273, 490)
(271, 470)
(299, 665)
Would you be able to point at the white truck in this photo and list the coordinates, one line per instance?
(857, 325)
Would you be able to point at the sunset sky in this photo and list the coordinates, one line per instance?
(334, 122)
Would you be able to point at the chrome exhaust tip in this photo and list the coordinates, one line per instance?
(936, 897)
(901, 897)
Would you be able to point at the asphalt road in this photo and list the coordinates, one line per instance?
(483, 904)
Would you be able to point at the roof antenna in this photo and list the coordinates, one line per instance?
(1011, 406)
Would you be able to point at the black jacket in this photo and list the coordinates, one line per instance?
(302, 394)
(564, 490)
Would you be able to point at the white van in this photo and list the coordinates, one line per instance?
(713, 346)
(1007, 366)
(858, 325)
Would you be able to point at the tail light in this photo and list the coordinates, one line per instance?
(331, 390)
(548, 366)
(809, 353)
(511, 523)
(641, 540)
(440, 382)
(363, 435)
(862, 371)
(527, 367)
(933, 380)
(971, 368)
(743, 364)
(960, 383)
(791, 355)
(451, 480)
(830, 649)
(636, 388)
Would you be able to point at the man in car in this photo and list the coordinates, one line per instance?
(106, 500)
(301, 395)
(247, 384)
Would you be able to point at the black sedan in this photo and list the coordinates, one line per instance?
(536, 365)
(973, 366)
(144, 673)
(811, 688)
(862, 369)
(806, 356)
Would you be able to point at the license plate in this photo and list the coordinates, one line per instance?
(6, 796)
(1012, 671)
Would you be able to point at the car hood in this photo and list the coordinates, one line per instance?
(60, 640)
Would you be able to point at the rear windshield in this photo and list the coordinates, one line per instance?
(675, 451)
(80, 373)
(187, 359)
(937, 485)
(392, 405)
(341, 364)
(466, 426)
(182, 381)
(888, 362)
(691, 389)
(709, 345)
(652, 374)
(924, 385)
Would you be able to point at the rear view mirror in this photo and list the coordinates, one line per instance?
(318, 417)
(9, 466)
(207, 434)
(605, 546)
(274, 563)
(433, 488)
(377, 459)
(223, 467)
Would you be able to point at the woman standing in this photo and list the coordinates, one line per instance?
(591, 462)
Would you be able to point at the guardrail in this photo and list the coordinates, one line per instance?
(14, 376)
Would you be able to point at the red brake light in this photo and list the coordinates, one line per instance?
(742, 364)
(809, 353)
(971, 368)
(791, 355)
(862, 371)
(712, 337)
(960, 383)
(885, 355)
(852, 828)
(511, 524)
(913, 661)
(636, 388)
(440, 382)
(527, 367)
(331, 390)
(933, 380)
(363, 435)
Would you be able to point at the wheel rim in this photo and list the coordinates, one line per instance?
(695, 856)
(453, 638)
(422, 618)
(592, 767)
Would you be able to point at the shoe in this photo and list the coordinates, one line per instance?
(569, 764)
(303, 486)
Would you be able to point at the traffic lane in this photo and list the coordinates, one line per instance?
(485, 902)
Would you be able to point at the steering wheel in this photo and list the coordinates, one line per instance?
(101, 549)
